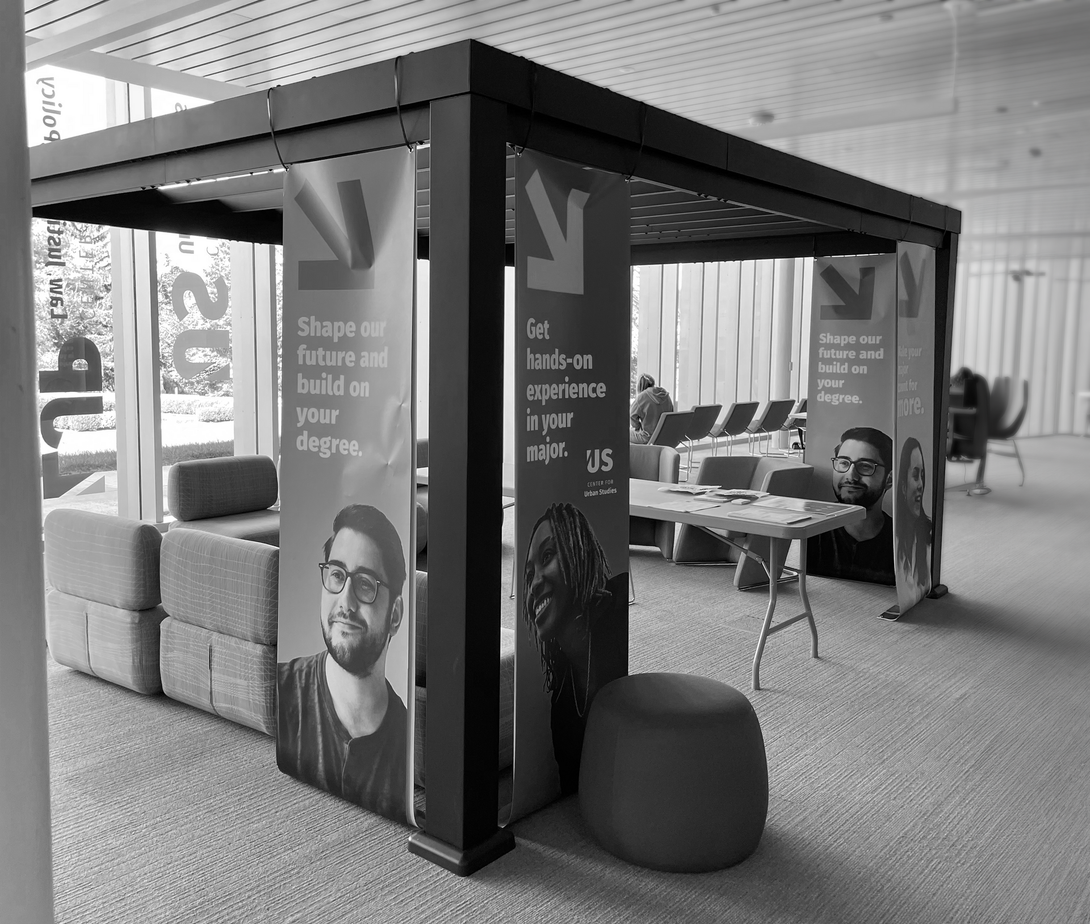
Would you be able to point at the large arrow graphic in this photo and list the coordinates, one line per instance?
(909, 306)
(564, 272)
(857, 306)
(352, 244)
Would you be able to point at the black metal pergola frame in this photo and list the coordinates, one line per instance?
(698, 194)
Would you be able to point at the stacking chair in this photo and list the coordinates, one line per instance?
(700, 427)
(770, 419)
(1001, 426)
(734, 423)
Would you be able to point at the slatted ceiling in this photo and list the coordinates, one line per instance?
(798, 59)
(795, 39)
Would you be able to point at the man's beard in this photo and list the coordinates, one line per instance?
(358, 658)
(868, 499)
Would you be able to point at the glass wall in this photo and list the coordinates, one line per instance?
(716, 333)
(137, 331)
(196, 400)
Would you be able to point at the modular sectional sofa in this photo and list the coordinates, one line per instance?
(103, 608)
(218, 650)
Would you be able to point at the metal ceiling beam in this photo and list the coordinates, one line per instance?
(148, 75)
(110, 28)
(356, 110)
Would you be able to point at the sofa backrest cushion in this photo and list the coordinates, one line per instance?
(729, 471)
(785, 477)
(653, 463)
(202, 488)
(102, 558)
(220, 583)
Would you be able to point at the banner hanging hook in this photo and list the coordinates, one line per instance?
(272, 131)
(533, 109)
(639, 151)
(397, 101)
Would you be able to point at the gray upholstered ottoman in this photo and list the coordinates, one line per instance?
(674, 775)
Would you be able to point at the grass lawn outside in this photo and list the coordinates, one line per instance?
(184, 437)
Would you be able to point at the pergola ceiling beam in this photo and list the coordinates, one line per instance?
(149, 75)
(111, 28)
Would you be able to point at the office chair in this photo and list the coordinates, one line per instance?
(1001, 430)
(968, 435)
(734, 423)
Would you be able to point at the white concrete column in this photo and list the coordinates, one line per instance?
(782, 315)
(136, 368)
(243, 347)
(136, 348)
(254, 350)
(26, 861)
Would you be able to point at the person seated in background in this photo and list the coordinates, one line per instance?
(652, 401)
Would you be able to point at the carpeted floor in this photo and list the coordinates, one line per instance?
(929, 770)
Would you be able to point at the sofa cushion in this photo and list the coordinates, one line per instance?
(256, 525)
(106, 559)
(222, 584)
(229, 677)
(118, 645)
(202, 488)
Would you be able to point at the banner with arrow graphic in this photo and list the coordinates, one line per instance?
(914, 470)
(572, 332)
(347, 480)
(850, 411)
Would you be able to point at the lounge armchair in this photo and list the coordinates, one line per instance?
(653, 463)
(671, 428)
(781, 476)
(770, 419)
(700, 427)
(734, 423)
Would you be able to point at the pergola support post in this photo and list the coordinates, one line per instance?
(468, 156)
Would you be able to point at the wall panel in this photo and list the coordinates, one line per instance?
(705, 330)
(1024, 313)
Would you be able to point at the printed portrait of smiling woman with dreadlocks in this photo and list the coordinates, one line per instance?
(577, 615)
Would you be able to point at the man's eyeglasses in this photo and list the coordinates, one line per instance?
(364, 584)
(865, 467)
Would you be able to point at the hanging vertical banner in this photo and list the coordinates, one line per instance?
(571, 447)
(849, 427)
(347, 479)
(915, 422)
